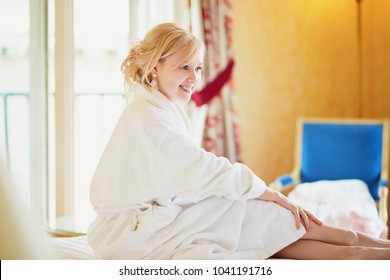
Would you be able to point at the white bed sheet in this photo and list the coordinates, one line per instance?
(70, 248)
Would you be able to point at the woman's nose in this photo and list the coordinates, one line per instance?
(192, 78)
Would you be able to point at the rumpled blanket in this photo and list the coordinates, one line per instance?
(343, 203)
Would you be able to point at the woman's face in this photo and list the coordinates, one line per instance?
(178, 83)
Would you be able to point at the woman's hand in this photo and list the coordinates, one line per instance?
(301, 215)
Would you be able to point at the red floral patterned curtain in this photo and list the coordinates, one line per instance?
(221, 131)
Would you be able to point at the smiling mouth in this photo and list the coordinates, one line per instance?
(187, 88)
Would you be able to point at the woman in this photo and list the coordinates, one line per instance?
(159, 196)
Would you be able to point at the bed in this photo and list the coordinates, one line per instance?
(343, 203)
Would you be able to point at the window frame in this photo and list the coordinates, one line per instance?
(38, 97)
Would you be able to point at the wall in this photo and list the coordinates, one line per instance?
(301, 58)
(376, 58)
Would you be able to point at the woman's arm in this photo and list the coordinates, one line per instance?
(300, 214)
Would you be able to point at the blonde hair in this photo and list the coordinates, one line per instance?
(159, 43)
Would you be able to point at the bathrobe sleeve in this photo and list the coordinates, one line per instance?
(194, 174)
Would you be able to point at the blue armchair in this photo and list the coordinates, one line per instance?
(336, 149)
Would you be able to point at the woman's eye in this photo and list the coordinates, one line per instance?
(185, 67)
(198, 69)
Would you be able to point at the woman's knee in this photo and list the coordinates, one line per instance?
(350, 238)
(333, 235)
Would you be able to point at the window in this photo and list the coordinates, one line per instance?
(14, 93)
(23, 99)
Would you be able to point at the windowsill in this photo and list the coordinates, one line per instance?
(62, 233)
(65, 226)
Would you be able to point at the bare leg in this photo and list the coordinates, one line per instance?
(316, 250)
(369, 241)
(339, 236)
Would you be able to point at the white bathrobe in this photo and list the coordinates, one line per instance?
(158, 195)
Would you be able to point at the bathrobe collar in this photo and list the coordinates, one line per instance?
(158, 99)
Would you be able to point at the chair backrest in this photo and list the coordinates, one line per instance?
(335, 149)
